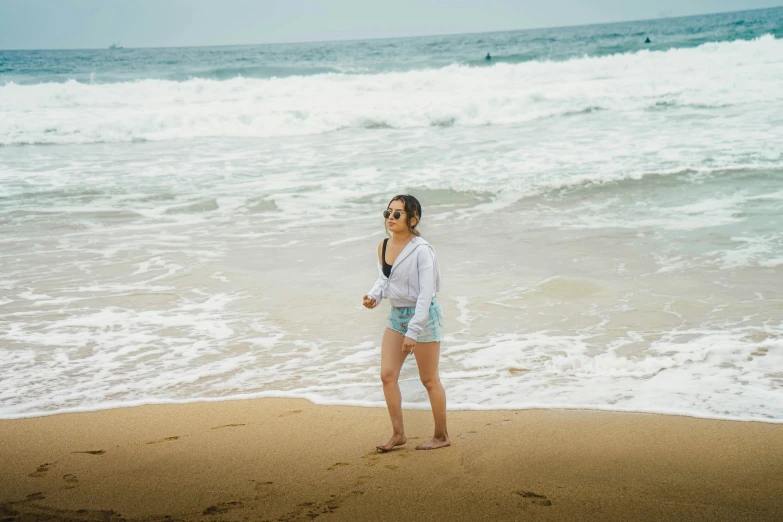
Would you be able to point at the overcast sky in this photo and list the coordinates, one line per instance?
(57, 24)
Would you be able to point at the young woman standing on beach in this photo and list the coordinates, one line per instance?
(409, 276)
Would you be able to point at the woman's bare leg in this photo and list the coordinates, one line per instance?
(392, 358)
(427, 356)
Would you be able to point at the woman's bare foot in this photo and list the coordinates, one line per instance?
(394, 441)
(435, 443)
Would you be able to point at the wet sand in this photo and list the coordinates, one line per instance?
(283, 459)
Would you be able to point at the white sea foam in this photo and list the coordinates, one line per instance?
(745, 75)
(509, 372)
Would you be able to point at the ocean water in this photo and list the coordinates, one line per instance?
(200, 223)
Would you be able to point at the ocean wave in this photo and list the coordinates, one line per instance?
(260, 71)
(626, 181)
(716, 75)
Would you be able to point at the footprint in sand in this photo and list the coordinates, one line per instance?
(262, 486)
(332, 504)
(292, 412)
(371, 459)
(263, 489)
(70, 481)
(337, 465)
(167, 439)
(35, 496)
(534, 498)
(466, 435)
(227, 426)
(499, 423)
(222, 507)
(391, 466)
(362, 479)
(312, 510)
(91, 452)
(41, 471)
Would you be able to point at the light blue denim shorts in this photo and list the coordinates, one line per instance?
(433, 331)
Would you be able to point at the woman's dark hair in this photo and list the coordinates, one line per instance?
(412, 209)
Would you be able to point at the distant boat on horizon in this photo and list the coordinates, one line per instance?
(115, 46)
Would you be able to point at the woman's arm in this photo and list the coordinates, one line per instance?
(376, 292)
(426, 268)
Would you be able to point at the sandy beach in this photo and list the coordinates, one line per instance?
(282, 459)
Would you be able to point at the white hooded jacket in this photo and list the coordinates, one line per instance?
(413, 281)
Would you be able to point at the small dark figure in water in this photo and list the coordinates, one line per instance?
(647, 40)
(488, 58)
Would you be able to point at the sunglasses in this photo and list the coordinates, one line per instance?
(396, 214)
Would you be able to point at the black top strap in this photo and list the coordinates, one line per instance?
(384, 265)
